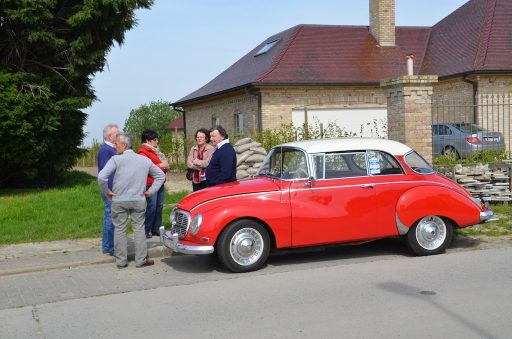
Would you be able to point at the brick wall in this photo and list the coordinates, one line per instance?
(409, 111)
(277, 103)
(382, 21)
(225, 108)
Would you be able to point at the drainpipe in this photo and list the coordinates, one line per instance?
(260, 122)
(257, 94)
(180, 109)
(475, 90)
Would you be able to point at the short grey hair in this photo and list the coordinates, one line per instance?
(127, 139)
(108, 129)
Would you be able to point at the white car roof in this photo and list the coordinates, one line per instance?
(350, 144)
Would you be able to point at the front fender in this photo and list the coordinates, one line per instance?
(436, 200)
(267, 208)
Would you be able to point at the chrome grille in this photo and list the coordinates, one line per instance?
(180, 223)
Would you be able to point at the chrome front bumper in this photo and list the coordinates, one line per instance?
(172, 242)
(487, 216)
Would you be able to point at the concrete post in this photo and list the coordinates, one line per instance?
(409, 101)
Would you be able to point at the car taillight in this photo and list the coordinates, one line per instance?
(473, 140)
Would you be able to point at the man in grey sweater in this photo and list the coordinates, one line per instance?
(128, 196)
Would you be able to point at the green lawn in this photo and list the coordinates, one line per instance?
(72, 211)
(75, 210)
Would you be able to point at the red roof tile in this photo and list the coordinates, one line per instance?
(176, 124)
(475, 37)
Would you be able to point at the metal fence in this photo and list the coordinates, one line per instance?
(463, 126)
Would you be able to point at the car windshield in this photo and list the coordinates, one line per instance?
(468, 128)
(417, 163)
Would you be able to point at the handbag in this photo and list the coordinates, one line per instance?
(190, 174)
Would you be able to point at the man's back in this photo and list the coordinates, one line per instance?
(131, 171)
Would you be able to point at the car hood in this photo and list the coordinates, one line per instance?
(256, 185)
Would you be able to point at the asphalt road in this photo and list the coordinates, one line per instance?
(369, 291)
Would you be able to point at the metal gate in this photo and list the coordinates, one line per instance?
(464, 126)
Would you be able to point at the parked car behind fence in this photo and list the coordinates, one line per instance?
(463, 139)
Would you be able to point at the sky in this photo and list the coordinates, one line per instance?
(180, 45)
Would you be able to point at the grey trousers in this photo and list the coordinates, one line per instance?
(121, 210)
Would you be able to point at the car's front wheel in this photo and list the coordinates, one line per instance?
(430, 235)
(243, 246)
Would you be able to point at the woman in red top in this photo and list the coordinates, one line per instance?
(199, 158)
(155, 203)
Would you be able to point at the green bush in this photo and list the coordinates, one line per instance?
(486, 157)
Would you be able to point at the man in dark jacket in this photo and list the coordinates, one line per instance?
(106, 151)
(222, 166)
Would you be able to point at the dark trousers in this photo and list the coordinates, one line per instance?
(201, 185)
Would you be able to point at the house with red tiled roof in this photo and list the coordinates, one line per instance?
(177, 125)
(339, 71)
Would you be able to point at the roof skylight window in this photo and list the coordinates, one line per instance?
(268, 46)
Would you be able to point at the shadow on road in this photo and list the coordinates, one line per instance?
(319, 254)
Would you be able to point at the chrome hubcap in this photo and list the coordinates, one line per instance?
(246, 246)
(431, 232)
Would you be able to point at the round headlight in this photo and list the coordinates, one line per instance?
(196, 224)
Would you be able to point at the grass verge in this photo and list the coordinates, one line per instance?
(74, 210)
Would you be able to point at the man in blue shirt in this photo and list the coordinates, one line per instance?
(106, 151)
(222, 166)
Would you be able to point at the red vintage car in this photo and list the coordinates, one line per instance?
(319, 192)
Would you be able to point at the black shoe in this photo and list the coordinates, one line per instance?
(148, 262)
(156, 234)
(122, 266)
(148, 235)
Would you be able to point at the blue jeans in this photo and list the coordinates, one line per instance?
(154, 207)
(107, 241)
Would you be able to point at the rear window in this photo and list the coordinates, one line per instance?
(468, 128)
(417, 163)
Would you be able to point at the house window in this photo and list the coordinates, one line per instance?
(268, 46)
(215, 121)
(239, 123)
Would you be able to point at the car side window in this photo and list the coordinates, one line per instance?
(295, 165)
(380, 163)
(444, 130)
(338, 165)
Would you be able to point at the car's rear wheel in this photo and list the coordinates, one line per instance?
(451, 151)
(243, 246)
(430, 235)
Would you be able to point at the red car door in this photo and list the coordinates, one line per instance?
(333, 210)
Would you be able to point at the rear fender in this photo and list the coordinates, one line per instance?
(421, 201)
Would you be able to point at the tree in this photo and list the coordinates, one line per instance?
(156, 116)
(49, 49)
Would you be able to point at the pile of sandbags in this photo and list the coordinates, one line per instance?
(249, 156)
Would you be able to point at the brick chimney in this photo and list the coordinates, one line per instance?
(382, 21)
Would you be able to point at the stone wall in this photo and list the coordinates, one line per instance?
(492, 182)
